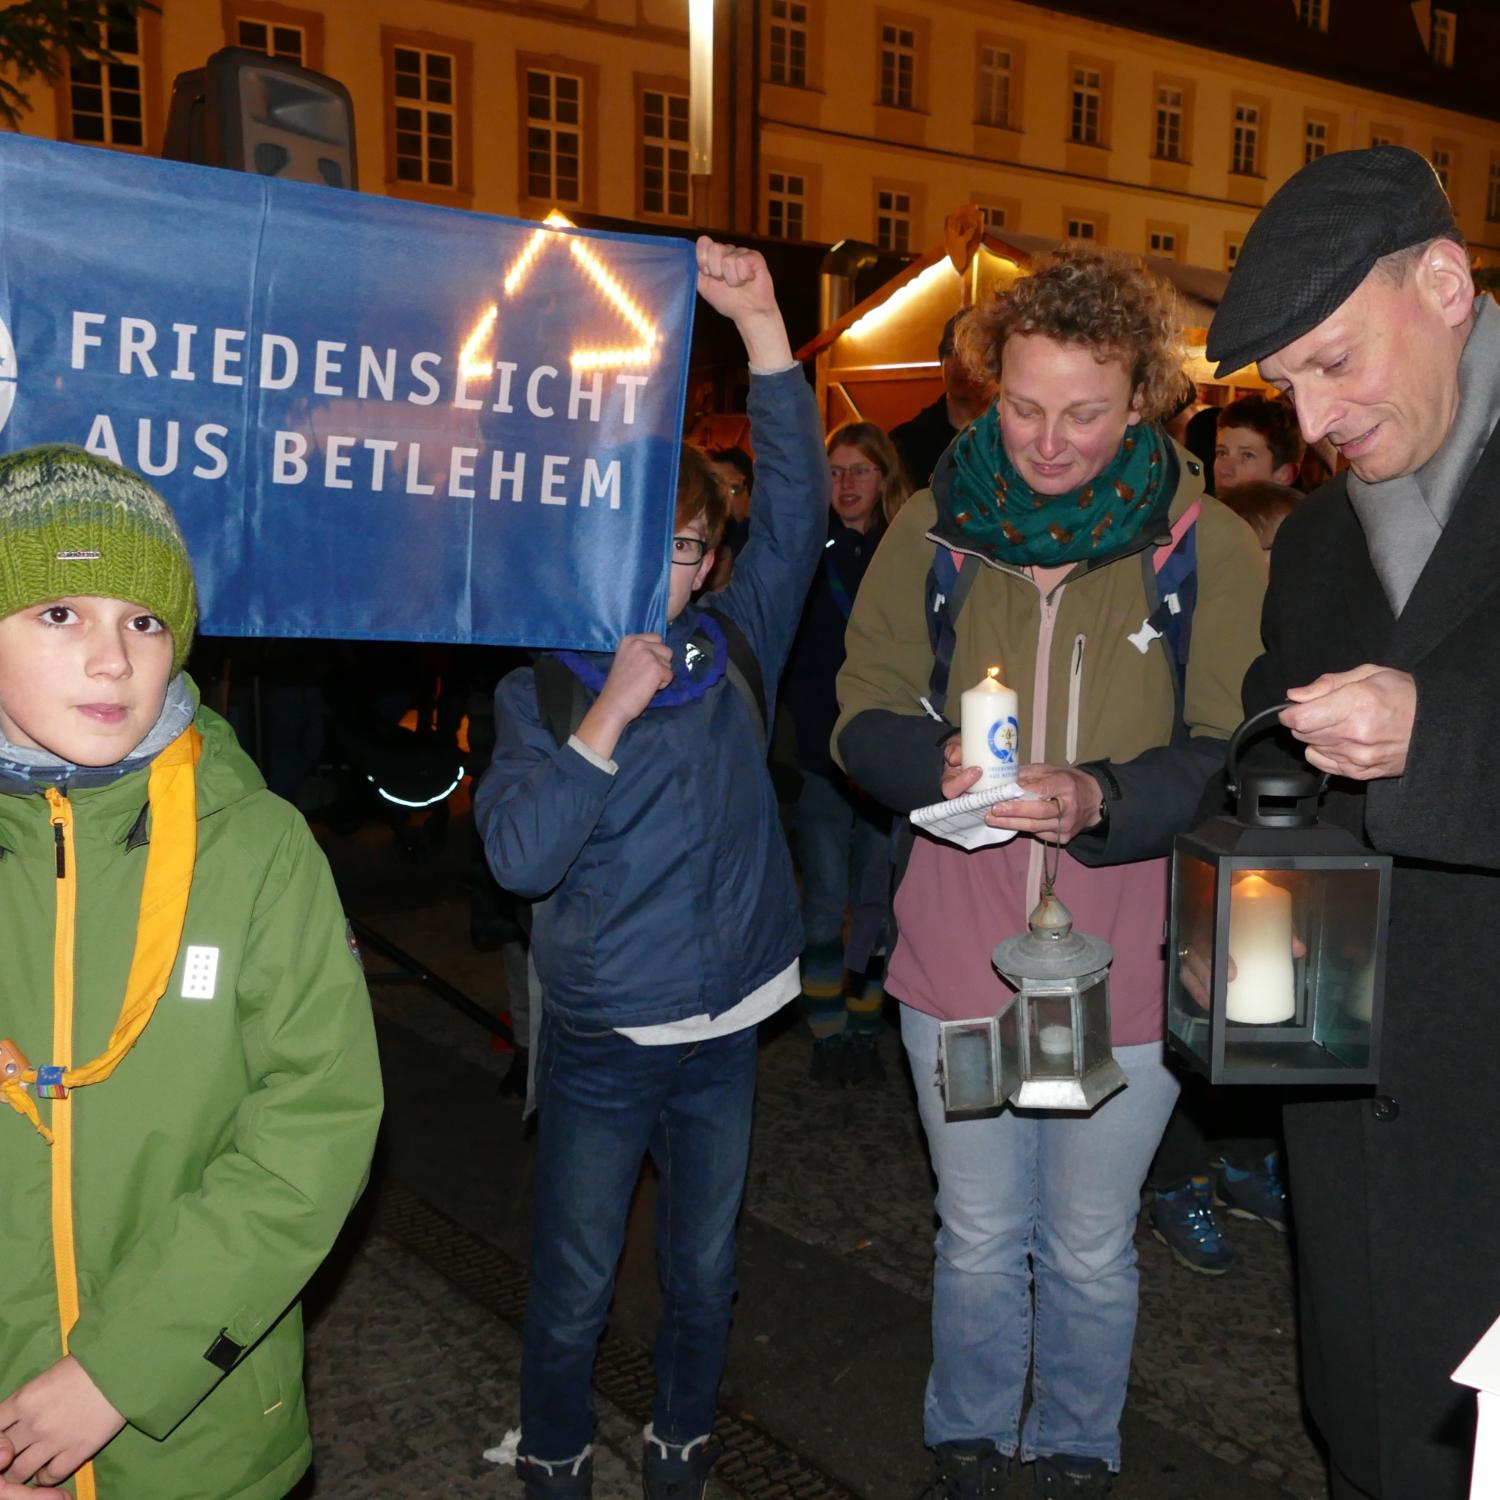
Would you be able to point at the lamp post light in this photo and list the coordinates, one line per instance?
(1276, 944)
(700, 104)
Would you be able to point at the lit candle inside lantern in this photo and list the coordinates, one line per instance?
(991, 731)
(1263, 990)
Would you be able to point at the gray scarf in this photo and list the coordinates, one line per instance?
(1403, 517)
(25, 770)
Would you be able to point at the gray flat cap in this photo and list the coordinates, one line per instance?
(1317, 239)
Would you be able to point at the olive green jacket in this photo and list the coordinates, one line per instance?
(213, 1170)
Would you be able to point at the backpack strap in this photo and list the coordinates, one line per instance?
(562, 700)
(1171, 576)
(744, 673)
(949, 580)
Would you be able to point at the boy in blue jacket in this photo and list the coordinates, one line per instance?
(666, 927)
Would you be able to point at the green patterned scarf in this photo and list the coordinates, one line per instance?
(996, 512)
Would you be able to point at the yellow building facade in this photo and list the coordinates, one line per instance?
(834, 118)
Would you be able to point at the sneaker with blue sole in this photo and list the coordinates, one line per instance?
(1183, 1220)
(1259, 1193)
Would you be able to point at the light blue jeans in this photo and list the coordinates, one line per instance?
(1035, 1266)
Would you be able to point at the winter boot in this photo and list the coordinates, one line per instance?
(1061, 1477)
(972, 1471)
(566, 1479)
(672, 1472)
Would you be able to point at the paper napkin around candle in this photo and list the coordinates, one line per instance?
(961, 820)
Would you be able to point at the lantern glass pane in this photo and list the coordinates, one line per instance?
(1050, 1033)
(1194, 899)
(1093, 1009)
(969, 1055)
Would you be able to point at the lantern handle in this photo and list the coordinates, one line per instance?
(1246, 731)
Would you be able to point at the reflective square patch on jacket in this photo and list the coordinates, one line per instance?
(200, 971)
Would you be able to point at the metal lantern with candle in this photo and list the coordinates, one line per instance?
(1051, 1048)
(1277, 938)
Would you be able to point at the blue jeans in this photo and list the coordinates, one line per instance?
(604, 1102)
(837, 843)
(1035, 1264)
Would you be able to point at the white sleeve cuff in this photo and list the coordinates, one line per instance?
(593, 757)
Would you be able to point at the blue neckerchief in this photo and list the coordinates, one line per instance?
(690, 680)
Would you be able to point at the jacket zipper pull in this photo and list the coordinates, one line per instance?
(55, 803)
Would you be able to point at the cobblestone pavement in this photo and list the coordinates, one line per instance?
(846, 1172)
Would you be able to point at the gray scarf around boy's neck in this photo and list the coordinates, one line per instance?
(26, 770)
(1403, 518)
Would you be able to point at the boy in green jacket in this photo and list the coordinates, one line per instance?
(186, 1048)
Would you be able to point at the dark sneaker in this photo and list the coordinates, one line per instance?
(862, 1062)
(829, 1069)
(973, 1471)
(670, 1472)
(1061, 1477)
(568, 1479)
(1183, 1220)
(1257, 1194)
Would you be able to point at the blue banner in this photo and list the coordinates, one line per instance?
(373, 419)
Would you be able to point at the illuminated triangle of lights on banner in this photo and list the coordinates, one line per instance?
(476, 366)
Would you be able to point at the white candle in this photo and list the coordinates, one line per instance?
(991, 731)
(1056, 1040)
(1260, 943)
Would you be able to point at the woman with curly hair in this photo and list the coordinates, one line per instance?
(841, 835)
(1057, 504)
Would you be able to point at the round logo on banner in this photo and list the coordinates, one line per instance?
(1003, 737)
(7, 374)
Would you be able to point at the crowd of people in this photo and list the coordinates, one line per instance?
(147, 1338)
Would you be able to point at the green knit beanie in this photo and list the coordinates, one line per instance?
(72, 523)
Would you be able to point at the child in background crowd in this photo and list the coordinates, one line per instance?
(207, 1092)
(1257, 440)
(842, 836)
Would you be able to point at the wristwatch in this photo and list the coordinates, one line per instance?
(1109, 789)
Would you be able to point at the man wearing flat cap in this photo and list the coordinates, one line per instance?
(1382, 626)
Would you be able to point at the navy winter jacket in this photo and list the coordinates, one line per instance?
(664, 889)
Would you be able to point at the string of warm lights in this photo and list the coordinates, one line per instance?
(618, 357)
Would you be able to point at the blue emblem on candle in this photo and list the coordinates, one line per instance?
(1003, 736)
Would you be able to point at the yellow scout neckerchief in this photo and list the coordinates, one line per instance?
(172, 796)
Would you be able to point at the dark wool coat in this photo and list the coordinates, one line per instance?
(1396, 1191)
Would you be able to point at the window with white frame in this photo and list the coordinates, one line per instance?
(1313, 14)
(1087, 104)
(995, 80)
(1444, 24)
(898, 66)
(274, 38)
(665, 184)
(1314, 140)
(1245, 152)
(425, 88)
(789, 43)
(106, 100)
(1492, 196)
(1442, 164)
(786, 205)
(1168, 123)
(1232, 253)
(991, 215)
(554, 136)
(1163, 242)
(893, 220)
(1082, 229)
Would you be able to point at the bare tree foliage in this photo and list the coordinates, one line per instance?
(38, 37)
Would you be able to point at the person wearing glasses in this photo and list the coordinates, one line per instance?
(665, 928)
(841, 834)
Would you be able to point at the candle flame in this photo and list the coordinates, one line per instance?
(993, 673)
